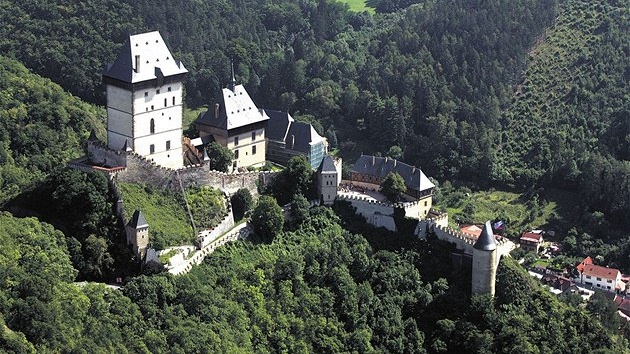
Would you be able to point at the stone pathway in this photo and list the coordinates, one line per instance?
(239, 231)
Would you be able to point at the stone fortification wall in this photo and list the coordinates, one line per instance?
(208, 236)
(386, 221)
(368, 207)
(228, 183)
(462, 240)
(99, 154)
(142, 170)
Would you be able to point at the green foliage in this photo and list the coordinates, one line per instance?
(297, 178)
(393, 187)
(41, 127)
(207, 206)
(242, 202)
(165, 212)
(220, 157)
(267, 218)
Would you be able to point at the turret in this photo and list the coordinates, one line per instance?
(484, 268)
(137, 230)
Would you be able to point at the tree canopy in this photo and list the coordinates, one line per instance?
(393, 187)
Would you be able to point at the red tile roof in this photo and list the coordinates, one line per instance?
(600, 272)
(532, 237)
(471, 230)
(588, 260)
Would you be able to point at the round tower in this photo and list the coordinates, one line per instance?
(484, 268)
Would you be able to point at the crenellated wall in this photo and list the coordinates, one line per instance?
(205, 237)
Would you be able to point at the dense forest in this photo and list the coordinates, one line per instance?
(524, 95)
(318, 288)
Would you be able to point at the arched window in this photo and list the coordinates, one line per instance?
(152, 126)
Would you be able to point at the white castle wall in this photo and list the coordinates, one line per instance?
(207, 236)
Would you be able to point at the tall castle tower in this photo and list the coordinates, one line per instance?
(137, 230)
(144, 100)
(484, 268)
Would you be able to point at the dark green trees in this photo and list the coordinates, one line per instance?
(220, 157)
(393, 187)
(242, 202)
(267, 218)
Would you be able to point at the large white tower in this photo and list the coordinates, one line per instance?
(484, 267)
(144, 100)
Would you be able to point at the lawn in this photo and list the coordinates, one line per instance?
(357, 5)
(168, 220)
(521, 214)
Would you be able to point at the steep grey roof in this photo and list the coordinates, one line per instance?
(235, 109)
(278, 125)
(154, 59)
(381, 166)
(486, 241)
(304, 134)
(92, 136)
(327, 165)
(137, 220)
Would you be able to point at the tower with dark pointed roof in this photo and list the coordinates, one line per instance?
(484, 268)
(144, 100)
(137, 230)
(328, 179)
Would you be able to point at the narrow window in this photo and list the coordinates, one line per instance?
(165, 103)
(236, 154)
(236, 141)
(168, 145)
(152, 126)
(254, 150)
(253, 136)
(151, 149)
(157, 92)
(152, 108)
(169, 89)
(173, 100)
(146, 93)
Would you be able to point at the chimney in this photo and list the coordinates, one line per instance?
(394, 162)
(414, 170)
(386, 160)
(292, 141)
(137, 63)
(216, 110)
(373, 160)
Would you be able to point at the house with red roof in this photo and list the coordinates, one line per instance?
(599, 277)
(531, 241)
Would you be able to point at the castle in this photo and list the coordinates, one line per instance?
(144, 144)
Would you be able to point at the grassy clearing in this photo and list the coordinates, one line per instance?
(166, 215)
(357, 5)
(190, 115)
(521, 214)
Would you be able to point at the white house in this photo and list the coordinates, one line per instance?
(144, 100)
(599, 277)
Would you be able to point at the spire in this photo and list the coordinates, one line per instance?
(126, 147)
(92, 136)
(233, 82)
(486, 241)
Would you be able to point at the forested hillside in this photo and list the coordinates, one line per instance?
(431, 79)
(317, 289)
(520, 94)
(41, 127)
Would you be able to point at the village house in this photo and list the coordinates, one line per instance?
(531, 241)
(599, 277)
